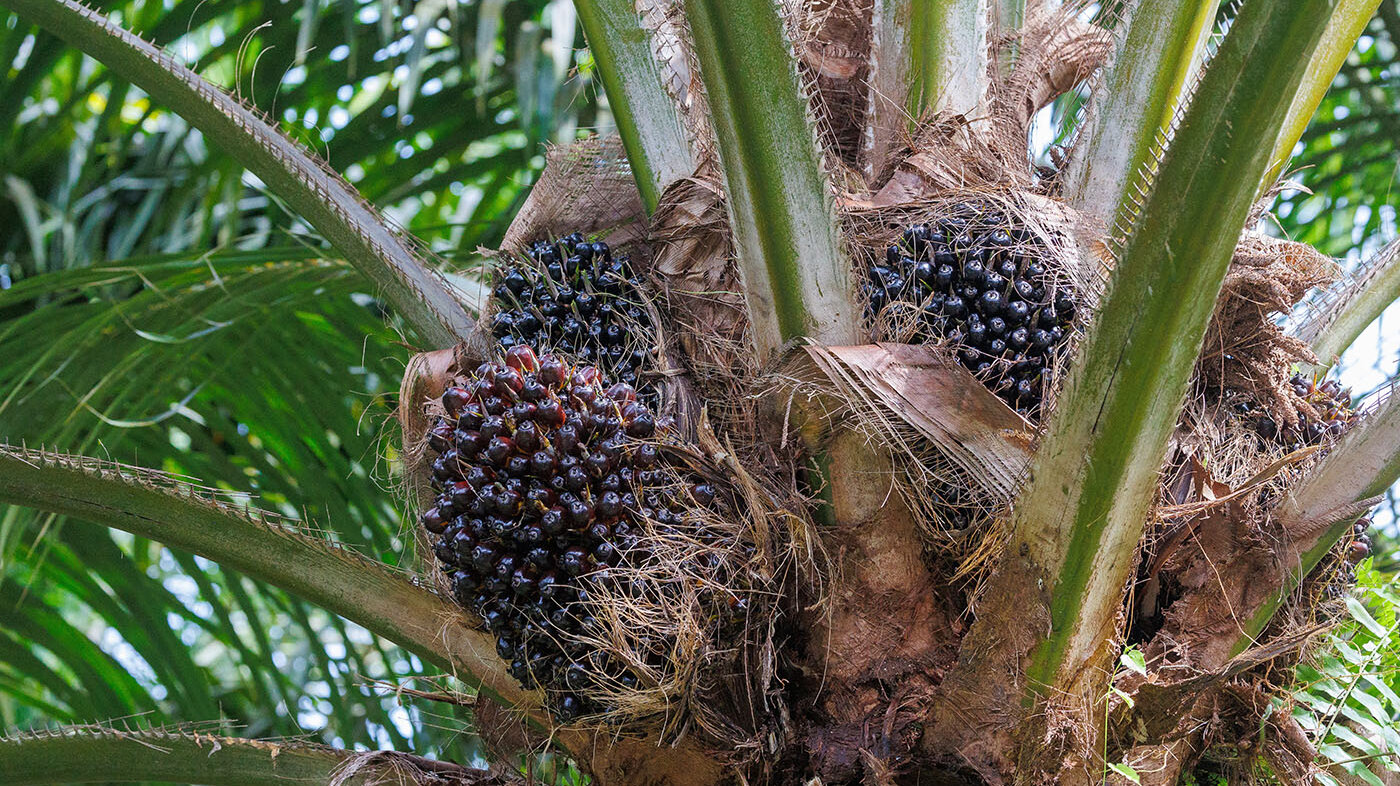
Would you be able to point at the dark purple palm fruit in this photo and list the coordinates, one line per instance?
(1328, 399)
(1335, 575)
(973, 282)
(538, 461)
(579, 300)
(1360, 546)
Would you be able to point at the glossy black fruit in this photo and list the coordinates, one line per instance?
(979, 288)
(1330, 402)
(579, 300)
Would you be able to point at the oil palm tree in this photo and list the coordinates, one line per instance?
(786, 140)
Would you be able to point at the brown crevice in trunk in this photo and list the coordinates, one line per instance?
(883, 636)
(980, 718)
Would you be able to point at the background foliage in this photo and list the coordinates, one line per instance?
(1347, 696)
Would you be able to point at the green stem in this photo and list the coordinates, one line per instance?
(1010, 18)
(99, 755)
(1011, 14)
(893, 102)
(948, 54)
(796, 279)
(647, 117)
(325, 200)
(1144, 87)
(1347, 22)
(1335, 328)
(362, 591)
(1080, 518)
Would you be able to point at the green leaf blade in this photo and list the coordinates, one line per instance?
(795, 275)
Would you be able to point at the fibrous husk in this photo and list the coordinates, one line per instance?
(831, 39)
(1245, 348)
(693, 259)
(586, 187)
(947, 152)
(709, 606)
(1244, 370)
(960, 452)
(1321, 310)
(695, 267)
(1055, 51)
(1220, 489)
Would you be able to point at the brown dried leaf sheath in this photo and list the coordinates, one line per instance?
(586, 187)
(959, 451)
(927, 390)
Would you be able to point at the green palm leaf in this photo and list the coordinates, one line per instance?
(193, 334)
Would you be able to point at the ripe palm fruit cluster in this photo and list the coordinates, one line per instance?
(547, 477)
(972, 282)
(1330, 400)
(1339, 567)
(581, 301)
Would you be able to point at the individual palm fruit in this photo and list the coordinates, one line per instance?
(976, 284)
(1360, 546)
(547, 476)
(1329, 400)
(581, 301)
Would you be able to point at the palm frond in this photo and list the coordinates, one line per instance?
(108, 170)
(260, 371)
(647, 117)
(1347, 157)
(154, 505)
(320, 196)
(795, 273)
(84, 754)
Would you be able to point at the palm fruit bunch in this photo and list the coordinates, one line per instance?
(1329, 400)
(581, 301)
(1336, 574)
(547, 477)
(971, 281)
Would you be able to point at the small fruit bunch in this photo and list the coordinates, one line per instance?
(579, 300)
(978, 286)
(1329, 400)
